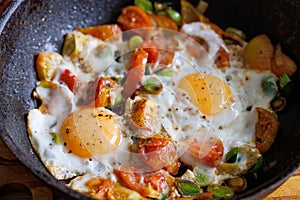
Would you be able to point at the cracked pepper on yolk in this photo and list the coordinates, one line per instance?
(210, 94)
(91, 131)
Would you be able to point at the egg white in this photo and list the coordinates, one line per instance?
(178, 116)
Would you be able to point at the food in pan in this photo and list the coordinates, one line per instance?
(161, 105)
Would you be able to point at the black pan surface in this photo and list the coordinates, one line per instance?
(28, 27)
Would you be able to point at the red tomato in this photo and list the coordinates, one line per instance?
(159, 153)
(102, 32)
(165, 57)
(70, 80)
(151, 49)
(135, 73)
(147, 184)
(222, 58)
(102, 96)
(209, 152)
(133, 17)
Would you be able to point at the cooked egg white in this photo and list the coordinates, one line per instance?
(198, 101)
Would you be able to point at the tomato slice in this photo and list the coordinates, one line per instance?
(209, 152)
(103, 32)
(159, 153)
(150, 47)
(135, 72)
(133, 17)
(157, 53)
(135, 181)
(222, 58)
(70, 80)
(151, 184)
(102, 96)
(163, 22)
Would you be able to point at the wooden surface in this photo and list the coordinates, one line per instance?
(17, 182)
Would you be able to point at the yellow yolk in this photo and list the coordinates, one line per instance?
(91, 131)
(210, 94)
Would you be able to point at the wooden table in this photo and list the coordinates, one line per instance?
(17, 182)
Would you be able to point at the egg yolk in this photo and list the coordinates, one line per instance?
(91, 131)
(210, 94)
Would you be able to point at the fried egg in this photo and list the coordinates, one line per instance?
(199, 101)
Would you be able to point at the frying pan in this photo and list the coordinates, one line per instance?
(28, 27)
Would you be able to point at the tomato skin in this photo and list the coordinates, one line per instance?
(70, 80)
(102, 96)
(103, 32)
(159, 153)
(151, 49)
(222, 58)
(133, 17)
(150, 184)
(209, 152)
(135, 73)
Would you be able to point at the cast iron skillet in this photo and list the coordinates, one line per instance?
(28, 27)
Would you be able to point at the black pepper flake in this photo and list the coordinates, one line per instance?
(100, 115)
(249, 108)
(220, 127)
(70, 151)
(169, 109)
(203, 117)
(67, 130)
(90, 159)
(65, 144)
(100, 141)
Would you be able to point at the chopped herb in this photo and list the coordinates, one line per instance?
(269, 86)
(187, 188)
(152, 85)
(148, 69)
(134, 41)
(56, 137)
(231, 156)
(236, 31)
(220, 191)
(283, 80)
(203, 179)
(258, 164)
(286, 85)
(146, 5)
(174, 15)
(165, 72)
